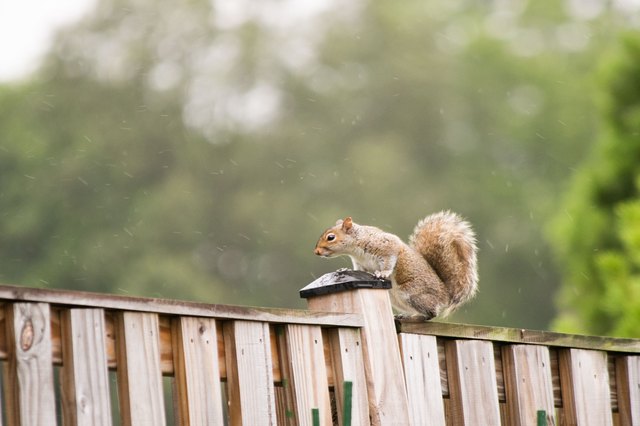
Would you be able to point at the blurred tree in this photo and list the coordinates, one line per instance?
(198, 149)
(80, 200)
(597, 233)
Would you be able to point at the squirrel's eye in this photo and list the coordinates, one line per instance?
(331, 237)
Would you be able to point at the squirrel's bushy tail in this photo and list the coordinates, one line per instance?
(448, 243)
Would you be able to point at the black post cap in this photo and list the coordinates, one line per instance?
(342, 280)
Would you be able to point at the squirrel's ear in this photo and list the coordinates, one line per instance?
(339, 222)
(347, 223)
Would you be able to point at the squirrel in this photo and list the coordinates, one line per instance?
(431, 276)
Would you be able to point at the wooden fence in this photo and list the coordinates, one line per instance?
(89, 359)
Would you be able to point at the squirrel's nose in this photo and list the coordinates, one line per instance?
(317, 252)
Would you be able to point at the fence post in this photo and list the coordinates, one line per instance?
(359, 292)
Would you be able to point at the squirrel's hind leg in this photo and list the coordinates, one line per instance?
(427, 304)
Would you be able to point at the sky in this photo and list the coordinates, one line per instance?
(27, 26)
(26, 29)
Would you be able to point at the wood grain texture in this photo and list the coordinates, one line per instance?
(383, 367)
(472, 383)
(29, 393)
(628, 384)
(139, 375)
(305, 351)
(528, 383)
(518, 335)
(422, 374)
(348, 365)
(84, 376)
(176, 307)
(197, 376)
(249, 373)
(584, 382)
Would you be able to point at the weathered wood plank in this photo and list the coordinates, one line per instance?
(249, 373)
(518, 335)
(383, 367)
(348, 365)
(472, 383)
(177, 307)
(422, 374)
(139, 375)
(305, 350)
(628, 381)
(584, 381)
(196, 371)
(528, 383)
(30, 398)
(84, 376)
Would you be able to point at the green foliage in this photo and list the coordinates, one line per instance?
(187, 150)
(598, 232)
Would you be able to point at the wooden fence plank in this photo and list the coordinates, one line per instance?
(628, 380)
(177, 307)
(517, 335)
(584, 382)
(348, 365)
(249, 373)
(139, 375)
(472, 383)
(528, 383)
(85, 378)
(305, 350)
(422, 374)
(196, 371)
(29, 393)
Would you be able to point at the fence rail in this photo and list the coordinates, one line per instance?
(83, 358)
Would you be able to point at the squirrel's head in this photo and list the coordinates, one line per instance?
(332, 242)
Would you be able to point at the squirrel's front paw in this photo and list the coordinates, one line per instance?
(382, 275)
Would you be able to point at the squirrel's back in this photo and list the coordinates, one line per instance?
(448, 243)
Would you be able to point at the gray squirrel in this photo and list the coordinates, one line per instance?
(431, 276)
